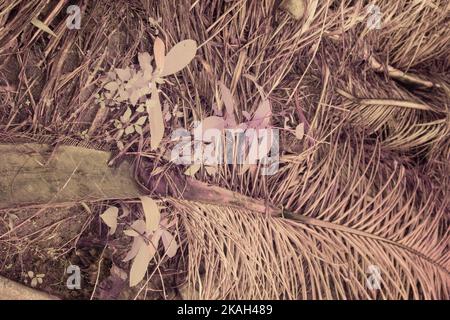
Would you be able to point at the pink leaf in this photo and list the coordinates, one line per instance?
(179, 57)
(213, 123)
(246, 115)
(300, 131)
(144, 60)
(159, 50)
(137, 243)
(228, 100)
(262, 115)
(151, 213)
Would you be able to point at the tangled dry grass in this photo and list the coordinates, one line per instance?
(369, 184)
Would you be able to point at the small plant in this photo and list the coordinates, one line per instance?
(225, 121)
(137, 87)
(147, 234)
(126, 127)
(36, 279)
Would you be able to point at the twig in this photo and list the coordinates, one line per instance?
(400, 75)
(386, 102)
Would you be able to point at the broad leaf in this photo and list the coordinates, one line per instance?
(138, 227)
(152, 214)
(192, 170)
(145, 61)
(212, 171)
(42, 26)
(179, 57)
(129, 130)
(141, 120)
(300, 131)
(126, 116)
(159, 50)
(109, 217)
(140, 263)
(156, 120)
(170, 244)
(212, 122)
(137, 243)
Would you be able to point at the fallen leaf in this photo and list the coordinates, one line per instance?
(140, 108)
(137, 243)
(156, 237)
(262, 115)
(255, 82)
(137, 228)
(151, 213)
(123, 95)
(120, 134)
(211, 170)
(192, 170)
(300, 131)
(170, 244)
(295, 7)
(109, 217)
(136, 93)
(179, 57)
(42, 26)
(140, 263)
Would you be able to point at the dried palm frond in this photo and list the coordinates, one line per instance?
(239, 254)
(412, 32)
(363, 196)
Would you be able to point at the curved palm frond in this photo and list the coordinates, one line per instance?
(237, 254)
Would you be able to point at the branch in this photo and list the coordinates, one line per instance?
(400, 75)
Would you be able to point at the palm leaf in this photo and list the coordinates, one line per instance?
(248, 256)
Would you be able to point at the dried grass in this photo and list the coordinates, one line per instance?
(372, 173)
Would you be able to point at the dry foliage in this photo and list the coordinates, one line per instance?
(365, 142)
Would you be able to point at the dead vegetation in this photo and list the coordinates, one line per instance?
(365, 183)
